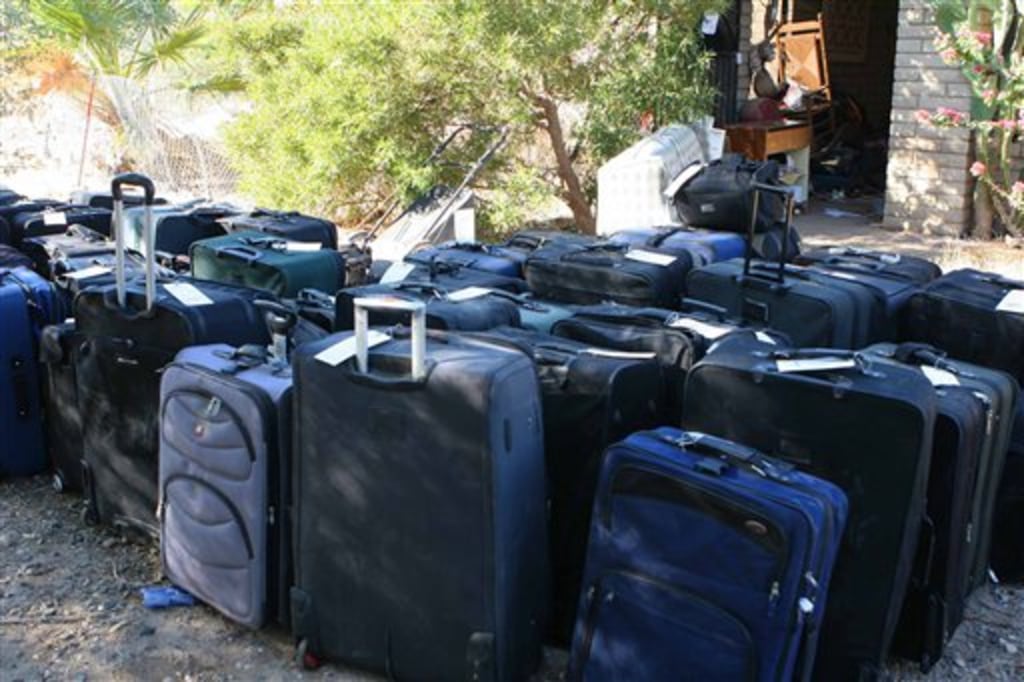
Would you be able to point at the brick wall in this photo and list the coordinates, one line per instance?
(928, 188)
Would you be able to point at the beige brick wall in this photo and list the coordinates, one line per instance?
(928, 186)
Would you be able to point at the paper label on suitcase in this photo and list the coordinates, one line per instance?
(187, 294)
(345, 349)
(468, 294)
(660, 259)
(86, 273)
(619, 354)
(55, 218)
(302, 246)
(765, 338)
(940, 377)
(814, 365)
(1013, 302)
(397, 272)
(708, 330)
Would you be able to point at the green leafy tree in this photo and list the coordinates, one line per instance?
(348, 100)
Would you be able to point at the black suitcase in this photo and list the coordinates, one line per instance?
(461, 309)
(812, 310)
(419, 517)
(11, 258)
(893, 265)
(290, 225)
(1008, 522)
(592, 398)
(602, 272)
(450, 275)
(9, 196)
(973, 316)
(63, 420)
(26, 206)
(56, 219)
(528, 241)
(721, 196)
(130, 330)
(868, 427)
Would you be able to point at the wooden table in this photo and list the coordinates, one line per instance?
(760, 140)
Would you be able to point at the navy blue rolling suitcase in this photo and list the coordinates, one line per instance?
(707, 561)
(469, 309)
(1008, 520)
(289, 225)
(496, 260)
(706, 246)
(8, 212)
(893, 265)
(27, 304)
(56, 220)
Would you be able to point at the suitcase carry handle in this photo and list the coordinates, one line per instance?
(246, 253)
(1001, 281)
(730, 454)
(149, 238)
(692, 304)
(787, 229)
(418, 315)
(591, 254)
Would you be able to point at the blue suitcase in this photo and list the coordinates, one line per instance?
(27, 304)
(496, 260)
(707, 561)
(705, 246)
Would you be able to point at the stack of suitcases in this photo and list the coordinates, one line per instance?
(685, 451)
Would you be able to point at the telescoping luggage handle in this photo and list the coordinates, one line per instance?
(418, 314)
(787, 195)
(117, 193)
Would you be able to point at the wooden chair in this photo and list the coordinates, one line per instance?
(802, 59)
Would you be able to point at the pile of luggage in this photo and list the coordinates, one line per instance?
(671, 450)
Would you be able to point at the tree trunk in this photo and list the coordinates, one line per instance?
(572, 190)
(984, 214)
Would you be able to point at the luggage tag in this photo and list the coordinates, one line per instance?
(187, 294)
(86, 273)
(660, 259)
(397, 272)
(1013, 302)
(708, 330)
(302, 247)
(468, 294)
(939, 377)
(55, 218)
(345, 349)
(765, 338)
(813, 365)
(618, 354)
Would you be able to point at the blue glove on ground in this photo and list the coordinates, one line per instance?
(160, 597)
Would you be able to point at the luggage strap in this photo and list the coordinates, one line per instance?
(722, 453)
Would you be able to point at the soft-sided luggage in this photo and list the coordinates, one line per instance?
(282, 267)
(1008, 521)
(290, 225)
(811, 310)
(973, 316)
(705, 246)
(999, 392)
(526, 242)
(420, 543)
(602, 272)
(893, 265)
(592, 397)
(469, 309)
(473, 255)
(22, 206)
(677, 340)
(27, 304)
(130, 330)
(177, 226)
(721, 196)
(56, 219)
(104, 199)
(225, 458)
(868, 427)
(707, 561)
(8, 196)
(60, 392)
(11, 258)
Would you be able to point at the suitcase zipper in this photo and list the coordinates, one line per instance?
(225, 500)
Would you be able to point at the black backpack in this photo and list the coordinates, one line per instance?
(721, 196)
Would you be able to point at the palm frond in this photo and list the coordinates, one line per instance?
(170, 49)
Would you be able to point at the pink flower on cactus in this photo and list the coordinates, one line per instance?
(984, 38)
(949, 55)
(1007, 124)
(978, 169)
(923, 116)
(978, 69)
(989, 96)
(1018, 188)
(951, 115)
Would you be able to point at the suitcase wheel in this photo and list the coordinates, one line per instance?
(57, 483)
(305, 659)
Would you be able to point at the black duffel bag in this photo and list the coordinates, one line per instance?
(720, 196)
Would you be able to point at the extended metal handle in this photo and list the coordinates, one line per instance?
(149, 238)
(418, 315)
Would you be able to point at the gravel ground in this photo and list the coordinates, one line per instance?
(70, 610)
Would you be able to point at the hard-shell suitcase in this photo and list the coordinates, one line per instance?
(1008, 520)
(602, 272)
(707, 561)
(812, 311)
(893, 265)
(678, 340)
(973, 316)
(868, 427)
(130, 331)
(592, 398)
(27, 304)
(420, 542)
(999, 392)
(290, 225)
(104, 199)
(705, 246)
(56, 219)
(225, 462)
(23, 206)
(469, 309)
(279, 266)
(177, 226)
(63, 418)
(472, 255)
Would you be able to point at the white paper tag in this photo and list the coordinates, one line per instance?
(55, 218)
(1013, 302)
(708, 330)
(302, 246)
(660, 259)
(814, 365)
(619, 354)
(346, 348)
(709, 26)
(765, 338)
(468, 294)
(940, 377)
(464, 225)
(397, 272)
(188, 294)
(86, 273)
